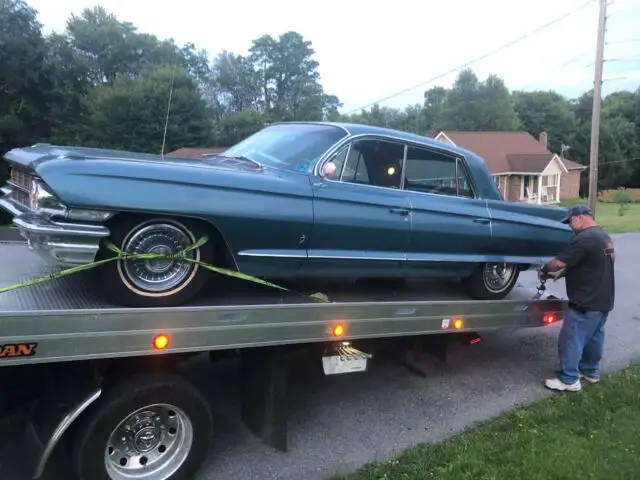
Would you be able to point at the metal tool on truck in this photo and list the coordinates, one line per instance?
(104, 386)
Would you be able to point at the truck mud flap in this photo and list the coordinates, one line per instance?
(264, 394)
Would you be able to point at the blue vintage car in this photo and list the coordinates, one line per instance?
(296, 199)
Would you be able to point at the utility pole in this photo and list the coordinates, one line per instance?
(595, 114)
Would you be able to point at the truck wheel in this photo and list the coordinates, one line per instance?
(491, 281)
(155, 282)
(151, 427)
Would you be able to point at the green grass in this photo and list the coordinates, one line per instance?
(607, 215)
(593, 434)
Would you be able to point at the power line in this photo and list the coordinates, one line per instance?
(628, 40)
(634, 159)
(481, 57)
(562, 66)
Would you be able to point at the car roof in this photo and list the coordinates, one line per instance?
(362, 129)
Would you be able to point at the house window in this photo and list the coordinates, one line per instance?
(550, 180)
(432, 172)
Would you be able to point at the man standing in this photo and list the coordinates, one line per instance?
(588, 263)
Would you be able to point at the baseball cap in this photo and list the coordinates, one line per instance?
(576, 210)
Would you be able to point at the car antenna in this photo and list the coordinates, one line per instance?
(166, 122)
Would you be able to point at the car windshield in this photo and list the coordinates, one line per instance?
(288, 146)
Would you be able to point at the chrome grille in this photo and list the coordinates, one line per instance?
(21, 198)
(21, 183)
(21, 179)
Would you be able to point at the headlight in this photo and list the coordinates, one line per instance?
(41, 199)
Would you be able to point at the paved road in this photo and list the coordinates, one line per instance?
(9, 234)
(339, 423)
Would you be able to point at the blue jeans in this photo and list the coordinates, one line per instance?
(580, 345)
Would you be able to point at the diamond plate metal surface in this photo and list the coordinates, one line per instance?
(81, 291)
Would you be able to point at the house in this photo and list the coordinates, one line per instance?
(189, 152)
(523, 167)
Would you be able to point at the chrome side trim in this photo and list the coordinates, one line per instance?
(398, 256)
(271, 254)
(37, 225)
(62, 427)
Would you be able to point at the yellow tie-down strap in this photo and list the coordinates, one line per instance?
(120, 255)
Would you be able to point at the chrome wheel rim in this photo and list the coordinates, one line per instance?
(151, 443)
(159, 275)
(497, 276)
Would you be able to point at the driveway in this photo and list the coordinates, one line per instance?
(339, 423)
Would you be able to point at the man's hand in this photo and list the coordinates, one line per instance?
(555, 275)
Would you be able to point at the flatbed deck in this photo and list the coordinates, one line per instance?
(66, 319)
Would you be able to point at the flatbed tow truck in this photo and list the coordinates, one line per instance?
(105, 388)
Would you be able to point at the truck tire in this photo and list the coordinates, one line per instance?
(491, 281)
(154, 283)
(151, 427)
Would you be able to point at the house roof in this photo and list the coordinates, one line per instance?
(507, 151)
(528, 163)
(195, 152)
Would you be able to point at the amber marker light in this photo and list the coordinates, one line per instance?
(160, 342)
(338, 330)
(457, 323)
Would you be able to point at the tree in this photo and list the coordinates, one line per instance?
(23, 101)
(473, 105)
(130, 114)
(547, 111)
(288, 79)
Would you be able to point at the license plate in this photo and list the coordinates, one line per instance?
(337, 364)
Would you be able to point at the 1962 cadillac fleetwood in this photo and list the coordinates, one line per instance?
(299, 199)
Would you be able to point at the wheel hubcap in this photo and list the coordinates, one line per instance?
(151, 443)
(497, 275)
(158, 274)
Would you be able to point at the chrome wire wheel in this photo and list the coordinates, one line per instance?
(158, 276)
(151, 443)
(498, 276)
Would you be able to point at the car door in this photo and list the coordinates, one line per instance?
(451, 229)
(361, 221)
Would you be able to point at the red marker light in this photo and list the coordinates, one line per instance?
(549, 318)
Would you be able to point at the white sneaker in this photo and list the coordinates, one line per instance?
(555, 384)
(589, 379)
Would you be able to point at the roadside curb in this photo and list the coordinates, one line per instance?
(10, 235)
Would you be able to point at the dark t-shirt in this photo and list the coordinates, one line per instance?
(590, 278)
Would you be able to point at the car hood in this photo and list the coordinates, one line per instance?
(71, 172)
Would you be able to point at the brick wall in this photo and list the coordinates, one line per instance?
(570, 184)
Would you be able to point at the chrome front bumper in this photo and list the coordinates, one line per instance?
(63, 243)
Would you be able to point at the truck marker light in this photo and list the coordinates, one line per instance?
(338, 330)
(549, 318)
(160, 342)
(457, 323)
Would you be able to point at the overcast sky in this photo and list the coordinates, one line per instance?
(368, 51)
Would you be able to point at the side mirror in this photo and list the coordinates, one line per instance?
(329, 169)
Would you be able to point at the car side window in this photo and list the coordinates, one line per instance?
(374, 162)
(433, 172)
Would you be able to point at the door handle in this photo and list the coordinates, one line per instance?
(400, 211)
(483, 221)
